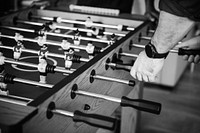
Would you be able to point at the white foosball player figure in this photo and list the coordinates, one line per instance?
(3, 86)
(68, 58)
(88, 25)
(17, 49)
(90, 49)
(41, 40)
(42, 70)
(65, 45)
(18, 37)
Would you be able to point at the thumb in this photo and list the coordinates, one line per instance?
(192, 43)
(184, 44)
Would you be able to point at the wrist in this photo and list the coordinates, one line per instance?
(160, 48)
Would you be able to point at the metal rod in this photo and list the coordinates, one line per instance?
(48, 54)
(62, 35)
(54, 43)
(82, 22)
(128, 54)
(88, 30)
(145, 37)
(15, 99)
(18, 29)
(63, 112)
(20, 80)
(57, 69)
(143, 46)
(29, 22)
(111, 79)
(109, 98)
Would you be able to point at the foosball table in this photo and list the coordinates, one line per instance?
(69, 72)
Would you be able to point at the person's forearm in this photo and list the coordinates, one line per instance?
(171, 29)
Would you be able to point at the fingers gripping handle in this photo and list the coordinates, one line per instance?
(95, 120)
(142, 105)
(188, 52)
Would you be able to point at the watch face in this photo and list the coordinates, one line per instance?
(149, 51)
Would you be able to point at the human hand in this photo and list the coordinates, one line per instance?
(145, 68)
(194, 44)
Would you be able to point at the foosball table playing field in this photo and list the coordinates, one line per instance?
(69, 72)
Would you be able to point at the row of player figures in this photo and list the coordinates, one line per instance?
(43, 52)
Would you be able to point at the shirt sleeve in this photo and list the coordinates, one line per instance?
(182, 8)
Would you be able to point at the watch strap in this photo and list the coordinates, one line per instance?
(154, 53)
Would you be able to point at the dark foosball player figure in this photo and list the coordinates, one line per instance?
(17, 49)
(90, 49)
(99, 33)
(43, 52)
(3, 86)
(76, 37)
(68, 58)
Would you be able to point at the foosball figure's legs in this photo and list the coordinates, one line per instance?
(42, 69)
(68, 58)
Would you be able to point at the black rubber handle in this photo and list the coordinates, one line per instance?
(95, 120)
(142, 105)
(188, 52)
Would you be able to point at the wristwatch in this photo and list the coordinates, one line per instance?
(151, 52)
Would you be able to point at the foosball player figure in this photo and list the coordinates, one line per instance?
(68, 58)
(3, 86)
(42, 70)
(49, 26)
(77, 39)
(88, 25)
(17, 49)
(99, 33)
(43, 52)
(90, 49)
(41, 40)
(18, 37)
(65, 45)
(112, 39)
